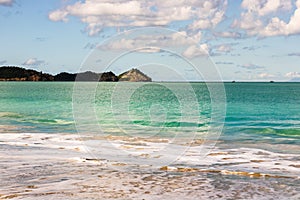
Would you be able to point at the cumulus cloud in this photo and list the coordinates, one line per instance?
(262, 18)
(265, 7)
(33, 61)
(6, 2)
(292, 75)
(59, 15)
(96, 14)
(164, 40)
(196, 51)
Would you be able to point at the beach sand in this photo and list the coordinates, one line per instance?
(59, 166)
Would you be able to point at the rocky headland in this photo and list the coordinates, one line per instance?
(134, 75)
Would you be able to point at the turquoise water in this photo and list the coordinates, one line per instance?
(256, 156)
(263, 111)
(268, 112)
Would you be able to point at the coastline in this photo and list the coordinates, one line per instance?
(59, 166)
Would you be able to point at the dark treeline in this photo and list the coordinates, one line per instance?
(12, 73)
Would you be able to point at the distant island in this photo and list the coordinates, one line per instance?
(12, 73)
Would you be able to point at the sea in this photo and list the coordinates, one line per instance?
(248, 139)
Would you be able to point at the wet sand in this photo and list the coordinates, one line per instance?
(55, 166)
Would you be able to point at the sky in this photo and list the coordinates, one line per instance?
(248, 40)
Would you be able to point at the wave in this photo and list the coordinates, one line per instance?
(49, 121)
(168, 124)
(22, 118)
(290, 132)
(10, 115)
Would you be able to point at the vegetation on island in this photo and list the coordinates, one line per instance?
(12, 73)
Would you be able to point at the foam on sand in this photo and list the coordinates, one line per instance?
(61, 166)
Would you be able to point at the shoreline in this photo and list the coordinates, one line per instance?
(58, 166)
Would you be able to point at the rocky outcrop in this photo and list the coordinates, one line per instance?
(108, 76)
(134, 75)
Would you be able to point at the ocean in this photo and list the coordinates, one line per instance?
(165, 127)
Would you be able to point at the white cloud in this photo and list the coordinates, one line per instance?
(248, 22)
(59, 15)
(266, 75)
(292, 75)
(149, 50)
(33, 61)
(262, 18)
(97, 14)
(179, 42)
(265, 7)
(224, 48)
(196, 51)
(228, 34)
(6, 2)
(177, 39)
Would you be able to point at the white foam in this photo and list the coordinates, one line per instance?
(57, 170)
(159, 154)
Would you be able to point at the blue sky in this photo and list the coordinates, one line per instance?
(255, 40)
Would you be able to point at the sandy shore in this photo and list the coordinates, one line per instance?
(43, 166)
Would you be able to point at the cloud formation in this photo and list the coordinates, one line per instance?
(6, 2)
(292, 75)
(196, 51)
(97, 14)
(33, 61)
(262, 18)
(165, 40)
(160, 41)
(229, 34)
